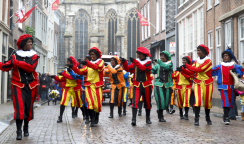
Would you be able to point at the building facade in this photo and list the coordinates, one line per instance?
(190, 22)
(4, 44)
(171, 30)
(224, 28)
(57, 16)
(153, 36)
(110, 25)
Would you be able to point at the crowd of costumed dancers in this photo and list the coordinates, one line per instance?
(130, 80)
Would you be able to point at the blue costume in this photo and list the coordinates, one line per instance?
(225, 82)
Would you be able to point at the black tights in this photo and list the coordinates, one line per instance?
(20, 122)
(226, 111)
(62, 110)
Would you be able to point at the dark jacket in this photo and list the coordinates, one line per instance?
(44, 81)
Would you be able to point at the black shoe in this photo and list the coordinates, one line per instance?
(59, 119)
(148, 120)
(93, 123)
(120, 115)
(111, 115)
(133, 122)
(196, 122)
(139, 113)
(120, 111)
(124, 113)
(87, 120)
(26, 132)
(96, 118)
(181, 115)
(161, 117)
(19, 135)
(209, 122)
(226, 120)
(73, 115)
(172, 111)
(186, 117)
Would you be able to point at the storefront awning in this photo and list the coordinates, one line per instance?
(160, 45)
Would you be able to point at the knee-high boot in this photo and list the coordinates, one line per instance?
(83, 112)
(92, 116)
(87, 115)
(140, 108)
(207, 112)
(120, 111)
(181, 113)
(111, 110)
(73, 112)
(226, 119)
(96, 117)
(124, 108)
(76, 112)
(19, 131)
(161, 116)
(186, 113)
(148, 116)
(134, 112)
(25, 128)
(61, 113)
(197, 111)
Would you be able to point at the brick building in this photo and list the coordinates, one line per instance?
(153, 36)
(224, 27)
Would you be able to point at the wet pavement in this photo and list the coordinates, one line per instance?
(45, 129)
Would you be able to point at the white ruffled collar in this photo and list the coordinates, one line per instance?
(22, 53)
(201, 61)
(95, 60)
(167, 62)
(228, 63)
(145, 61)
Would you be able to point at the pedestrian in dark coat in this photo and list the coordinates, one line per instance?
(44, 83)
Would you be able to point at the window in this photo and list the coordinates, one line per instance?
(6, 12)
(142, 29)
(216, 2)
(61, 49)
(210, 44)
(4, 45)
(190, 38)
(181, 2)
(195, 30)
(209, 4)
(81, 34)
(133, 34)
(163, 14)
(145, 15)
(157, 19)
(112, 30)
(20, 6)
(184, 36)
(228, 33)
(201, 25)
(148, 18)
(218, 45)
(241, 35)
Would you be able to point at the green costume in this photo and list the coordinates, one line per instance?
(163, 81)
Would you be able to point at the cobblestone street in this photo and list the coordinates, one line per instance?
(45, 129)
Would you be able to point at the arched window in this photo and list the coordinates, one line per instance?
(112, 30)
(133, 34)
(61, 49)
(81, 35)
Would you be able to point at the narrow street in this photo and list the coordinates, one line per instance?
(45, 129)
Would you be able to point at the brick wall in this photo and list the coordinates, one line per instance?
(153, 9)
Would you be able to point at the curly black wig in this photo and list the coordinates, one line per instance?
(186, 58)
(115, 60)
(97, 54)
(226, 52)
(203, 50)
(24, 41)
